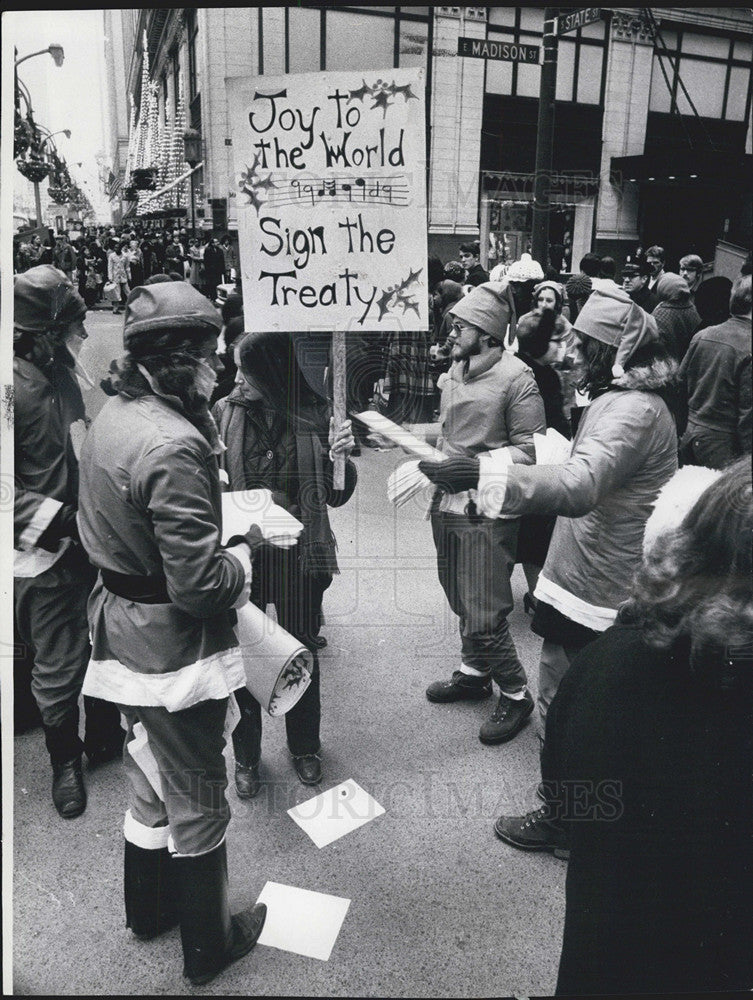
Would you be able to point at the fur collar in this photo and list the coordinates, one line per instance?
(650, 376)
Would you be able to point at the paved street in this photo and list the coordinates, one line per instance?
(439, 906)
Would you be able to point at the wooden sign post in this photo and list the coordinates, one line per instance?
(339, 372)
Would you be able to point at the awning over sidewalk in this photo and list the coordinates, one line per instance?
(685, 167)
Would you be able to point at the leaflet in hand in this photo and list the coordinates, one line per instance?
(552, 448)
(242, 508)
(399, 435)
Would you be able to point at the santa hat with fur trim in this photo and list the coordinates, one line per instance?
(610, 316)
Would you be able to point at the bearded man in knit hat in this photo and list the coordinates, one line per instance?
(52, 576)
(490, 401)
(164, 648)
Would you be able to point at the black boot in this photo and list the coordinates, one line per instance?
(64, 748)
(149, 885)
(211, 937)
(104, 737)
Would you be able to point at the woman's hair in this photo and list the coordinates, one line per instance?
(535, 331)
(435, 271)
(607, 267)
(269, 358)
(696, 581)
(559, 301)
(599, 360)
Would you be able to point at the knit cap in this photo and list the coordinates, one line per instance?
(556, 288)
(611, 316)
(158, 317)
(488, 307)
(525, 269)
(44, 299)
(672, 288)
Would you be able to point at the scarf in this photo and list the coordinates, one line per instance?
(317, 545)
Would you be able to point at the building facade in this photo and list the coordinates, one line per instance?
(652, 140)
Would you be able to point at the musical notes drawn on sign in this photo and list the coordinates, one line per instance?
(393, 190)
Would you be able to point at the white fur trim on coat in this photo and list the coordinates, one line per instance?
(574, 608)
(675, 500)
(210, 679)
(149, 838)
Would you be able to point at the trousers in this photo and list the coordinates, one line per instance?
(187, 746)
(50, 613)
(474, 560)
(553, 665)
(297, 597)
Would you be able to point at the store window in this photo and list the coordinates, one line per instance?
(589, 75)
(304, 30)
(565, 70)
(715, 70)
(737, 96)
(359, 41)
(414, 43)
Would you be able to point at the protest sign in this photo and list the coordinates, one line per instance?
(330, 180)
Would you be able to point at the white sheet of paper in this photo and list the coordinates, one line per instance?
(299, 920)
(242, 508)
(338, 811)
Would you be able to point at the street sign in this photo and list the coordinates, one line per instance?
(486, 48)
(579, 18)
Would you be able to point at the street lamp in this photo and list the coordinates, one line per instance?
(56, 51)
(58, 55)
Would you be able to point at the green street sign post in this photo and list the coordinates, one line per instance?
(485, 48)
(579, 18)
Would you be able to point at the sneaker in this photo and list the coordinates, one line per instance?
(534, 832)
(460, 687)
(507, 720)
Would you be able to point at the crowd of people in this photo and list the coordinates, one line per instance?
(636, 550)
(105, 263)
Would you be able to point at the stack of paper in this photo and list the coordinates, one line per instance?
(552, 448)
(242, 508)
(406, 482)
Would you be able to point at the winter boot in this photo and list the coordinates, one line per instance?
(211, 937)
(64, 748)
(149, 884)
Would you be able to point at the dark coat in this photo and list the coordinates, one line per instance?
(644, 298)
(214, 263)
(659, 893)
(476, 275)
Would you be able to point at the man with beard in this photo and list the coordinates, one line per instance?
(490, 401)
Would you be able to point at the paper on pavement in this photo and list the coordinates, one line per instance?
(301, 921)
(338, 811)
(242, 508)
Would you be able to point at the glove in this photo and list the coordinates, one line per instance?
(454, 475)
(253, 538)
(63, 525)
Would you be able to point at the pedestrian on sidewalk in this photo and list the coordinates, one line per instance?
(489, 401)
(52, 576)
(624, 451)
(275, 430)
(715, 379)
(164, 644)
(650, 734)
(119, 275)
(676, 317)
